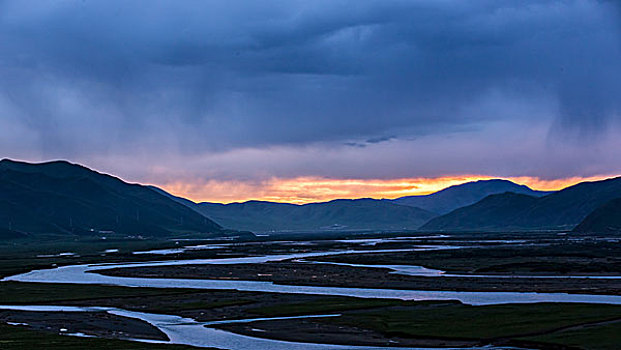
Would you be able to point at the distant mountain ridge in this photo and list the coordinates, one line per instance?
(465, 194)
(562, 210)
(494, 212)
(365, 213)
(260, 216)
(63, 198)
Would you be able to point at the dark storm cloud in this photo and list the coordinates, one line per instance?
(371, 141)
(106, 77)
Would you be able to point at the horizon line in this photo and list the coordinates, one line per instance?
(288, 190)
(295, 190)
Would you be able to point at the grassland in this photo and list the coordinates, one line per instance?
(541, 326)
(21, 338)
(480, 322)
(604, 336)
(295, 273)
(558, 257)
(362, 321)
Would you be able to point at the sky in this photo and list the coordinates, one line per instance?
(313, 100)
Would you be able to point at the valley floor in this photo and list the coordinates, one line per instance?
(348, 320)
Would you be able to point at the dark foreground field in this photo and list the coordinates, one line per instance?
(362, 321)
(20, 338)
(344, 276)
(353, 321)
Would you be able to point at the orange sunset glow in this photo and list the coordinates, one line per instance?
(314, 189)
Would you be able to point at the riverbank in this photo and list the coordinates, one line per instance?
(368, 322)
(288, 273)
(379, 318)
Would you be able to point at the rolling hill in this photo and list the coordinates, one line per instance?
(605, 219)
(367, 213)
(260, 216)
(63, 198)
(462, 195)
(561, 210)
(494, 212)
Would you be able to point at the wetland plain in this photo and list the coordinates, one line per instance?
(564, 267)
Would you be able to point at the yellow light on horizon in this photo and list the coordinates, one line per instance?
(303, 190)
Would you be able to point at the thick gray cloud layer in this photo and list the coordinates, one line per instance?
(98, 79)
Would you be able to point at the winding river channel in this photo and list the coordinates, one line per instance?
(190, 332)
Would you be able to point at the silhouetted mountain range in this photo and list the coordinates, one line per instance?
(562, 210)
(491, 213)
(338, 214)
(60, 197)
(606, 218)
(458, 196)
(366, 213)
